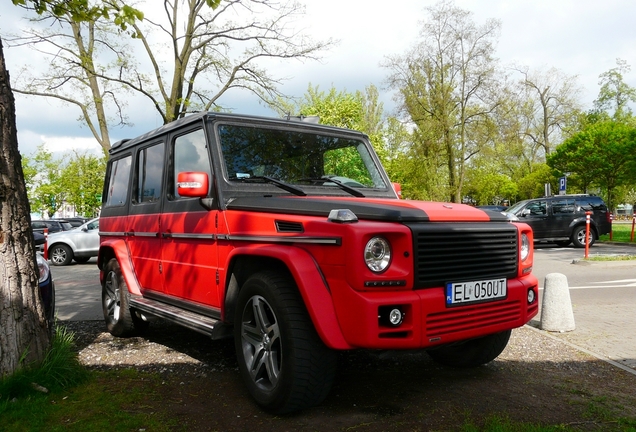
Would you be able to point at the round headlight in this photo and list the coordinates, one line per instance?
(377, 254)
(525, 246)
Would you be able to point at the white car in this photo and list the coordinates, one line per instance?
(79, 244)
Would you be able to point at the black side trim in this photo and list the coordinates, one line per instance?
(336, 241)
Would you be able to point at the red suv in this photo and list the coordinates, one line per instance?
(290, 237)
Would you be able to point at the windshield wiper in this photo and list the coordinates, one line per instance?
(341, 185)
(276, 182)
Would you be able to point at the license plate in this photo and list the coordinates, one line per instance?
(461, 293)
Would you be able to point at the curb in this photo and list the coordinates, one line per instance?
(586, 351)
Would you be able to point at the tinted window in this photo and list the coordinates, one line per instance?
(537, 208)
(563, 206)
(149, 174)
(118, 185)
(190, 154)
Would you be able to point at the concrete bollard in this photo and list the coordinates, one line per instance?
(556, 307)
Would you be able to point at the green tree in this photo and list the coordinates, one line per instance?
(83, 180)
(446, 87)
(615, 94)
(604, 152)
(46, 190)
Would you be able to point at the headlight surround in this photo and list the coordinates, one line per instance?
(525, 246)
(43, 267)
(377, 254)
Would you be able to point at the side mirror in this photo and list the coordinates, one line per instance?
(397, 187)
(525, 212)
(192, 184)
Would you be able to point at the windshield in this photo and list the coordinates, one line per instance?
(294, 157)
(515, 208)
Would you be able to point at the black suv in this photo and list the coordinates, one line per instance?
(561, 219)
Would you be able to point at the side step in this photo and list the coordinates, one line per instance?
(194, 321)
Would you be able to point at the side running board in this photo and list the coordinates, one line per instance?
(194, 321)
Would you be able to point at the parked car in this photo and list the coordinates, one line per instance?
(75, 221)
(53, 225)
(291, 237)
(79, 244)
(40, 240)
(47, 288)
(561, 218)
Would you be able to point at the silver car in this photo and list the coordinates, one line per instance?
(79, 244)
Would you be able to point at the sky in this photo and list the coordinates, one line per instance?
(578, 37)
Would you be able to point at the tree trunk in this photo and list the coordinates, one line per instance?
(24, 332)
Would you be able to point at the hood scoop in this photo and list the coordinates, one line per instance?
(289, 227)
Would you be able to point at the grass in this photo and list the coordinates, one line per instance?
(620, 233)
(77, 400)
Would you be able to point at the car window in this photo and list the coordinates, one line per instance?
(537, 208)
(563, 206)
(149, 174)
(118, 186)
(190, 154)
(93, 225)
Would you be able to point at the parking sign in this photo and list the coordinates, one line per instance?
(562, 185)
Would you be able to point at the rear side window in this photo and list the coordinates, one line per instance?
(563, 206)
(190, 154)
(118, 184)
(149, 174)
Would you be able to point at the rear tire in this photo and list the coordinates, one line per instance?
(578, 237)
(117, 314)
(472, 353)
(60, 255)
(282, 360)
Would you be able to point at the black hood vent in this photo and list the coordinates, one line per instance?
(289, 227)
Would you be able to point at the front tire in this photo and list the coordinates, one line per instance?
(472, 353)
(60, 255)
(117, 314)
(283, 362)
(578, 237)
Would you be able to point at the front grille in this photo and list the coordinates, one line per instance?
(457, 252)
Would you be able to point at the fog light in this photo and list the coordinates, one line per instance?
(531, 296)
(396, 317)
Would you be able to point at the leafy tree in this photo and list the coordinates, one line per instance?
(550, 106)
(604, 153)
(615, 94)
(83, 180)
(45, 189)
(213, 47)
(446, 87)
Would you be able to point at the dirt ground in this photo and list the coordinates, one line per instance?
(537, 379)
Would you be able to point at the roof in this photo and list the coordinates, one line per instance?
(309, 123)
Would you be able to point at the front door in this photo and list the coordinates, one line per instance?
(535, 214)
(188, 231)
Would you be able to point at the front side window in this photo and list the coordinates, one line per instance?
(149, 174)
(190, 154)
(297, 157)
(118, 185)
(537, 208)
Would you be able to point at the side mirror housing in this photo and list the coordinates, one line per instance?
(193, 184)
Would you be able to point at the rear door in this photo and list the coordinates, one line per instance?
(562, 216)
(144, 222)
(188, 231)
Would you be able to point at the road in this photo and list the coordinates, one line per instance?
(603, 297)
